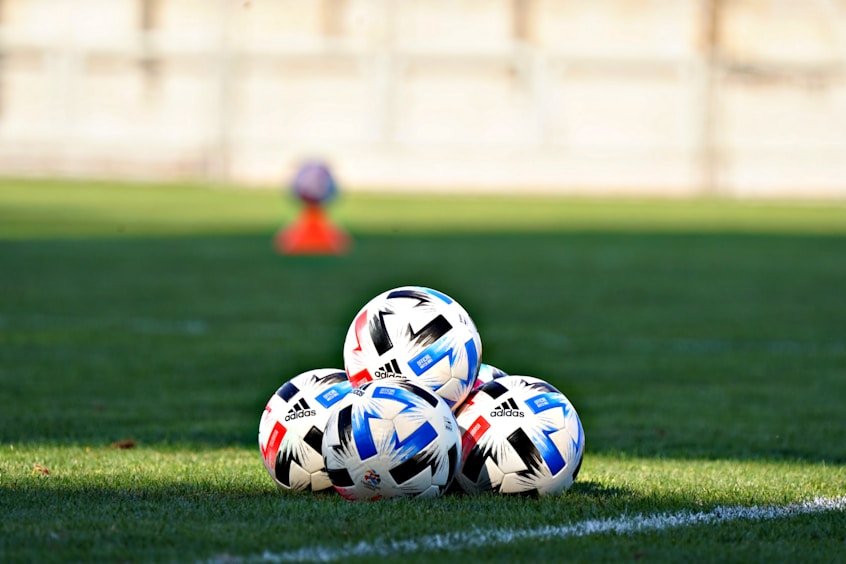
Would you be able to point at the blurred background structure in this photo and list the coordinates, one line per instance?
(668, 97)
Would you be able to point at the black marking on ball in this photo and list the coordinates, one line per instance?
(429, 333)
(340, 477)
(493, 388)
(287, 391)
(404, 471)
(526, 449)
(496, 372)
(543, 386)
(314, 438)
(282, 469)
(344, 428)
(379, 333)
(452, 457)
(334, 378)
(474, 463)
(451, 484)
(421, 392)
(576, 471)
(419, 295)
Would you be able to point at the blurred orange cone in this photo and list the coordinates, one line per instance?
(312, 234)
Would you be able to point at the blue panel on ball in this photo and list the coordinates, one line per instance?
(431, 355)
(549, 452)
(362, 434)
(472, 359)
(416, 441)
(422, 436)
(542, 402)
(441, 296)
(331, 396)
(396, 393)
(577, 444)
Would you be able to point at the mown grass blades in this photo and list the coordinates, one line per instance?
(702, 343)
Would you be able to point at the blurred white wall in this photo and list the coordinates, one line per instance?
(667, 97)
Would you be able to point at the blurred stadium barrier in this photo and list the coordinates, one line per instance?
(669, 97)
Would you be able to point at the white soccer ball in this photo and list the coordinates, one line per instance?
(487, 373)
(417, 334)
(519, 435)
(391, 439)
(291, 428)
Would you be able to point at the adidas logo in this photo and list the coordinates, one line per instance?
(298, 410)
(390, 370)
(508, 408)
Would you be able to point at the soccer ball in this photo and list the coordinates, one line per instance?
(418, 334)
(486, 374)
(391, 439)
(291, 428)
(519, 435)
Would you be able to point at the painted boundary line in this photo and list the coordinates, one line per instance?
(491, 537)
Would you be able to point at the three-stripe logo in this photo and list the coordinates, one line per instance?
(390, 370)
(508, 408)
(300, 409)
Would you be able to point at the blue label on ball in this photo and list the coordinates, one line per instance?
(542, 402)
(331, 396)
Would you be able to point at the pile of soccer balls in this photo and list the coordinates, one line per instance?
(415, 410)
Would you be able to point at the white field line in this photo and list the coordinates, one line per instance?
(478, 537)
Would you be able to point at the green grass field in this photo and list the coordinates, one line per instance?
(702, 342)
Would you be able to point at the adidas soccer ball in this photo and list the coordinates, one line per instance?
(486, 374)
(391, 439)
(519, 435)
(418, 334)
(291, 428)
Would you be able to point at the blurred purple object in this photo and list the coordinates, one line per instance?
(314, 183)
